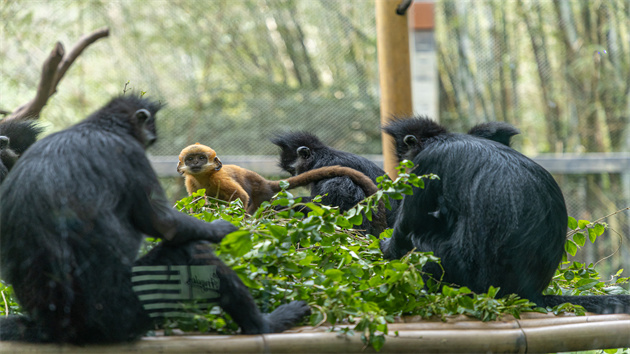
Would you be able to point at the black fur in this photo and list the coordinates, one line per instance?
(410, 134)
(302, 151)
(494, 217)
(15, 137)
(74, 212)
(500, 132)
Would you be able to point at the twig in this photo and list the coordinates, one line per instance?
(323, 312)
(6, 305)
(573, 232)
(615, 251)
(53, 70)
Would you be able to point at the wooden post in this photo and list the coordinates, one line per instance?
(392, 43)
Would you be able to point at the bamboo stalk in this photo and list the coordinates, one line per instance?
(532, 333)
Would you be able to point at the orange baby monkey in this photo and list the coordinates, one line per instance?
(202, 169)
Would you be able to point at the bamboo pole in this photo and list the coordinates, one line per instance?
(392, 43)
(532, 332)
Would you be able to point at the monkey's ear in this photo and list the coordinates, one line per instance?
(147, 127)
(142, 115)
(304, 152)
(179, 168)
(217, 164)
(410, 140)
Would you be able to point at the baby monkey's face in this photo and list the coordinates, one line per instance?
(196, 161)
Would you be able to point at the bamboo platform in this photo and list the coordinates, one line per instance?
(533, 333)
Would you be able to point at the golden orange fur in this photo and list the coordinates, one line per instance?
(203, 169)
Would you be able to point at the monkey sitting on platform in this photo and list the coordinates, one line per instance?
(201, 168)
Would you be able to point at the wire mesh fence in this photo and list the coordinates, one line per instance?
(557, 70)
(234, 73)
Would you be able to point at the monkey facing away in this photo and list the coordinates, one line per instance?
(75, 209)
(203, 169)
(301, 152)
(410, 134)
(494, 217)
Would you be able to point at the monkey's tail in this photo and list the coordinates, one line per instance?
(367, 185)
(596, 304)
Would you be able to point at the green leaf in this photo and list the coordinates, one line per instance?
(334, 274)
(399, 266)
(592, 235)
(356, 220)
(572, 223)
(585, 284)
(277, 231)
(378, 342)
(583, 223)
(316, 318)
(315, 209)
(580, 239)
(237, 243)
(466, 302)
(570, 247)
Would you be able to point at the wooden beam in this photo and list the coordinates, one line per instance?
(267, 165)
(392, 43)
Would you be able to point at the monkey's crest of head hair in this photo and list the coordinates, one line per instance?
(294, 140)
(197, 148)
(120, 109)
(421, 127)
(290, 142)
(132, 115)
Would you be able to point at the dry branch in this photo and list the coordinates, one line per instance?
(53, 70)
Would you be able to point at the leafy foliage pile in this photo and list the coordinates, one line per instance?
(283, 255)
(286, 255)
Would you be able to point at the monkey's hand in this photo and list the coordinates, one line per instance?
(220, 228)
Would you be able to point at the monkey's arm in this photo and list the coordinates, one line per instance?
(231, 182)
(152, 216)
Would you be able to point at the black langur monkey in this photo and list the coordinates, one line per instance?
(75, 210)
(15, 137)
(494, 217)
(301, 152)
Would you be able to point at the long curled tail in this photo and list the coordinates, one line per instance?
(364, 182)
